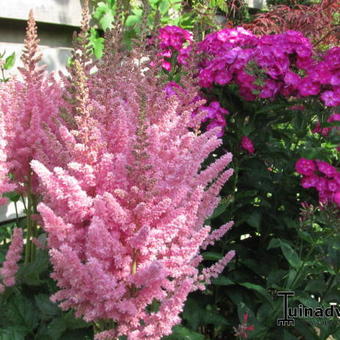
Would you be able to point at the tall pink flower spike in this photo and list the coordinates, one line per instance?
(125, 213)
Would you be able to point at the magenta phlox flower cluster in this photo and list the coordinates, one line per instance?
(324, 131)
(269, 65)
(125, 215)
(174, 40)
(323, 78)
(247, 144)
(10, 265)
(215, 116)
(322, 176)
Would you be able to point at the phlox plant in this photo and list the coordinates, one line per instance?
(281, 97)
(118, 168)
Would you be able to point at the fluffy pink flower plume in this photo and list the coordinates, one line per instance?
(28, 109)
(125, 214)
(10, 266)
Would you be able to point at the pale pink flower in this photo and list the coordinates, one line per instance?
(10, 266)
(125, 210)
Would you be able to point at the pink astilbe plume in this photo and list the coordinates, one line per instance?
(125, 214)
(28, 109)
(10, 266)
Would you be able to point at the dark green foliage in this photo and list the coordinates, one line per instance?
(27, 312)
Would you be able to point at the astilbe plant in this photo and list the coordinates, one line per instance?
(125, 209)
(29, 107)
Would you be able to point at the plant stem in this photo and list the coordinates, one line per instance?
(31, 225)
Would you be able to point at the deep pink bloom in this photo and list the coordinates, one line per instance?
(336, 198)
(309, 181)
(305, 167)
(319, 175)
(326, 168)
(243, 329)
(247, 144)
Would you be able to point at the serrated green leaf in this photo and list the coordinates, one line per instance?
(47, 308)
(56, 328)
(30, 273)
(106, 20)
(74, 323)
(13, 333)
(21, 312)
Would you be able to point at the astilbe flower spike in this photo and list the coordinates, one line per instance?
(28, 109)
(125, 215)
(10, 266)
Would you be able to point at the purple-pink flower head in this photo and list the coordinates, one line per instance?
(214, 116)
(305, 167)
(247, 144)
(173, 36)
(326, 169)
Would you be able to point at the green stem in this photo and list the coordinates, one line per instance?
(31, 225)
(16, 213)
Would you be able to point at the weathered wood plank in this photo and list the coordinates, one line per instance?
(64, 12)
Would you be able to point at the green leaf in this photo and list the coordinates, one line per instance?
(106, 20)
(274, 243)
(13, 196)
(209, 255)
(222, 281)
(56, 328)
(47, 308)
(259, 289)
(30, 273)
(77, 334)
(183, 333)
(74, 323)
(288, 336)
(304, 235)
(132, 20)
(254, 220)
(290, 254)
(13, 333)
(21, 312)
(316, 286)
(219, 210)
(9, 61)
(164, 6)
